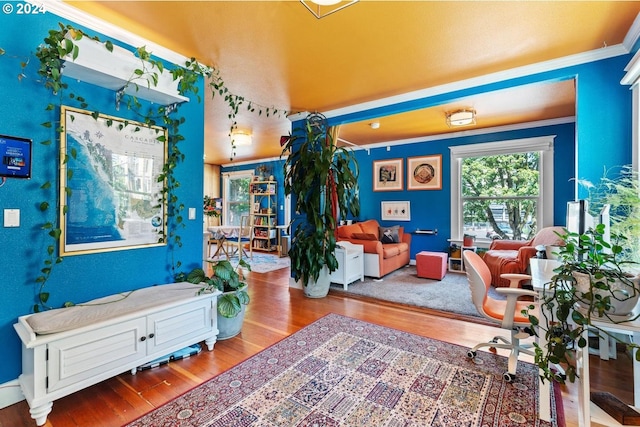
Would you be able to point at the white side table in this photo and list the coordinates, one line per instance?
(350, 263)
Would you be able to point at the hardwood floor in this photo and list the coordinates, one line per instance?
(275, 312)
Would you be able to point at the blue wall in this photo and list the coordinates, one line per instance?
(601, 139)
(81, 277)
(431, 209)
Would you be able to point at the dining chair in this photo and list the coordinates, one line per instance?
(237, 244)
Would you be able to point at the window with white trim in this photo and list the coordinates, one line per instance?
(236, 197)
(502, 189)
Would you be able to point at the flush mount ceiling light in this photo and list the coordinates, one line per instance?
(241, 138)
(322, 8)
(462, 117)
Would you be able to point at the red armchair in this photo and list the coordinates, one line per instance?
(512, 256)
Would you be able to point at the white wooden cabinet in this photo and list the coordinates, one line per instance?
(56, 365)
(350, 263)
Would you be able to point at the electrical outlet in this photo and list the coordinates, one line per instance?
(12, 217)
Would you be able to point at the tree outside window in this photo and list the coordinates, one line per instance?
(500, 195)
(236, 198)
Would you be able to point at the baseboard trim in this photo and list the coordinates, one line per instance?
(10, 393)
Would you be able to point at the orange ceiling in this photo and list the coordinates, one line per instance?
(276, 53)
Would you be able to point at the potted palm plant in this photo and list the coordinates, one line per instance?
(323, 178)
(234, 298)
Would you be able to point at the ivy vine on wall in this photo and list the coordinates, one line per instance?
(60, 43)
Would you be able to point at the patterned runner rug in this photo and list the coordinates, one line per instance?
(340, 371)
(262, 263)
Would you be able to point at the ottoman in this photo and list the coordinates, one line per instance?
(431, 265)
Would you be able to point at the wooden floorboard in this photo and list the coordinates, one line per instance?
(275, 312)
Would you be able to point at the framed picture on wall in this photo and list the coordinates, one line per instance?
(424, 173)
(395, 211)
(387, 175)
(112, 192)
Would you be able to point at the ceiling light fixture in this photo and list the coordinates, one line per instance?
(375, 125)
(241, 138)
(322, 8)
(462, 117)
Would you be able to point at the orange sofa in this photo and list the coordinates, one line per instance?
(380, 258)
(512, 256)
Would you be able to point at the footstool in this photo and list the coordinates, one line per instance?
(431, 265)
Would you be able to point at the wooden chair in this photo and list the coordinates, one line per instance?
(237, 245)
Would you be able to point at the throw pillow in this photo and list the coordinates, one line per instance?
(364, 236)
(389, 234)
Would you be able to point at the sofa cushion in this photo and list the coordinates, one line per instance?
(364, 236)
(370, 226)
(347, 231)
(109, 307)
(390, 250)
(389, 234)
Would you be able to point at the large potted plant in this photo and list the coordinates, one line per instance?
(323, 180)
(592, 281)
(234, 298)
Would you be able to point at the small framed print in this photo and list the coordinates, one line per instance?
(387, 175)
(396, 211)
(424, 173)
(256, 207)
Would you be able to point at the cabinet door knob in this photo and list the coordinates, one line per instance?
(151, 335)
(143, 338)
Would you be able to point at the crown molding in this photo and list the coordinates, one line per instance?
(633, 34)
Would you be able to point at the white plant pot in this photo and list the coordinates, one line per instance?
(320, 287)
(624, 299)
(229, 327)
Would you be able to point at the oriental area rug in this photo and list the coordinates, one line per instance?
(340, 371)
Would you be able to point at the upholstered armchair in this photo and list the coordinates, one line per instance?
(512, 256)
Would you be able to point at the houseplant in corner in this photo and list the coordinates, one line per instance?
(234, 298)
(591, 282)
(323, 180)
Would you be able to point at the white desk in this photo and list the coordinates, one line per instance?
(541, 272)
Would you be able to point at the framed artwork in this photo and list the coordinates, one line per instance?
(110, 197)
(387, 175)
(396, 211)
(256, 207)
(424, 173)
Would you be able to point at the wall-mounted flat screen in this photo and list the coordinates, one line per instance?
(15, 157)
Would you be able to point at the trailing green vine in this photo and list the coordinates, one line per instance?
(58, 44)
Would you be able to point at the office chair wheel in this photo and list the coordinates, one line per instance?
(508, 377)
(471, 354)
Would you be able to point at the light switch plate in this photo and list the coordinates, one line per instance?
(12, 217)
(192, 213)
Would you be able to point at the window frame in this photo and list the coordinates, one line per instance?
(226, 177)
(542, 144)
